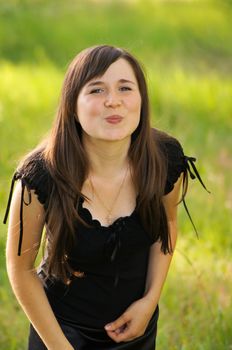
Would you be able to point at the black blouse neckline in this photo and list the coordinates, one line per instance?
(87, 216)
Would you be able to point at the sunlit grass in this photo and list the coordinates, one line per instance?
(188, 60)
(58, 29)
(28, 96)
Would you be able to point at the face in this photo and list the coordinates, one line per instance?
(108, 107)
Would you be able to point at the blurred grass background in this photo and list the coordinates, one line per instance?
(186, 49)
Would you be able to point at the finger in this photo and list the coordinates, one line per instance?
(116, 332)
(120, 322)
(124, 335)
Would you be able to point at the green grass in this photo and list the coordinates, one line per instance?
(186, 49)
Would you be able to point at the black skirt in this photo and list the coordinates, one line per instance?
(85, 338)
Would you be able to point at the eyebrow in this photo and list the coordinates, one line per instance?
(99, 82)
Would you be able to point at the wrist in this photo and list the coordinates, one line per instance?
(151, 300)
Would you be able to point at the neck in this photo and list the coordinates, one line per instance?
(110, 156)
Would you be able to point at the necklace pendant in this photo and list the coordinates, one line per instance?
(109, 218)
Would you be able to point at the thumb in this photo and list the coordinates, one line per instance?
(112, 326)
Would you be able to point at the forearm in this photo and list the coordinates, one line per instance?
(158, 267)
(30, 294)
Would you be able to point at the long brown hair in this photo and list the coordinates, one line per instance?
(68, 165)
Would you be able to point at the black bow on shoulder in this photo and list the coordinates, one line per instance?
(191, 169)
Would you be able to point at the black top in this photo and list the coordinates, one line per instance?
(112, 260)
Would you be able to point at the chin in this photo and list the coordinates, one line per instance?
(116, 136)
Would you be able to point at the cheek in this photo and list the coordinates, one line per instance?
(87, 108)
(135, 105)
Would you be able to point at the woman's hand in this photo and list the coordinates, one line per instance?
(132, 323)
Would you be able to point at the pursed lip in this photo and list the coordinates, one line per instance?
(114, 117)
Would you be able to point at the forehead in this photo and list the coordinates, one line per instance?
(117, 71)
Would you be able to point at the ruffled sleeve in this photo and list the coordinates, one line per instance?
(34, 175)
(178, 163)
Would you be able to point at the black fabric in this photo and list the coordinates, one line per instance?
(175, 157)
(86, 338)
(34, 176)
(112, 261)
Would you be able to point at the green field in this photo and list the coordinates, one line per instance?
(186, 49)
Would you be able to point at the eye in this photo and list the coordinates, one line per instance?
(96, 91)
(125, 88)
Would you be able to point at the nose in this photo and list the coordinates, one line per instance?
(113, 100)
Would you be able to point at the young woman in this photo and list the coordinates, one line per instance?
(105, 187)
